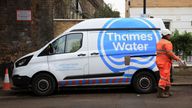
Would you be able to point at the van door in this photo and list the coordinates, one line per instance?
(69, 60)
(96, 65)
(101, 71)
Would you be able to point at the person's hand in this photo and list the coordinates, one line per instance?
(182, 63)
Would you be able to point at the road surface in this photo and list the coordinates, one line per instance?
(97, 98)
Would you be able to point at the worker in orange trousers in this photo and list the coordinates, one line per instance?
(164, 59)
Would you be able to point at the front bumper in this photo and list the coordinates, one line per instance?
(21, 81)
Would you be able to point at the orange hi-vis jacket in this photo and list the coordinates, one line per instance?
(164, 52)
(164, 61)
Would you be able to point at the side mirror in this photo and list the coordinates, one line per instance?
(50, 49)
(47, 51)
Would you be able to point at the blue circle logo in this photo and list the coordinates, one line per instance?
(114, 45)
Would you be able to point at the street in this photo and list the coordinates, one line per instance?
(93, 49)
(97, 98)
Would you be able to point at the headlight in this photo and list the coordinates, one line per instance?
(23, 61)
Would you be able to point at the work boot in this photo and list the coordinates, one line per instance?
(161, 93)
(167, 91)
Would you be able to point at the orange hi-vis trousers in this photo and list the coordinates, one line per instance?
(164, 75)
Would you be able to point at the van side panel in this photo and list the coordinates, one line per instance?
(139, 43)
(108, 46)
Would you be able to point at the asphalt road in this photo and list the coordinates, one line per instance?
(97, 98)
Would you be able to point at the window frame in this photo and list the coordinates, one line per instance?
(44, 53)
(66, 42)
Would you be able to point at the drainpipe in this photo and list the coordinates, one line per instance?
(144, 7)
(77, 8)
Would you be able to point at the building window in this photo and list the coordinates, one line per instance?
(167, 24)
(191, 23)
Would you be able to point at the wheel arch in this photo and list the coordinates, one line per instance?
(44, 72)
(144, 70)
(152, 81)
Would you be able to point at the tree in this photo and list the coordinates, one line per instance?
(182, 43)
(106, 12)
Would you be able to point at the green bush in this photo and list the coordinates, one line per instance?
(182, 43)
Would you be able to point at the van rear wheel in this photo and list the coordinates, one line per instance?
(144, 82)
(43, 84)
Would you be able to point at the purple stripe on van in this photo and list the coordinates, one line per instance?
(93, 81)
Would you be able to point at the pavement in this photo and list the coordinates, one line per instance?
(181, 76)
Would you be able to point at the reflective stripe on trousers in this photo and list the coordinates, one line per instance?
(164, 75)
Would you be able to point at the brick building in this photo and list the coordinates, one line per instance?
(26, 25)
(176, 14)
(75, 9)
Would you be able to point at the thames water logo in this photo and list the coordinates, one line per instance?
(114, 45)
(127, 41)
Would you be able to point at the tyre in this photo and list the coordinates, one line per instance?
(144, 82)
(43, 84)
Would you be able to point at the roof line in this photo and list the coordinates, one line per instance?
(103, 29)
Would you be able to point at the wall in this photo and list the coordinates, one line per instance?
(60, 25)
(179, 18)
(42, 22)
(13, 34)
(66, 9)
(162, 3)
(18, 38)
(177, 12)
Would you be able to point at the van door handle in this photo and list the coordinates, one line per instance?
(81, 55)
(94, 53)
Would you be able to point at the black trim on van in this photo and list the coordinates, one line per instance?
(102, 29)
(95, 75)
(144, 55)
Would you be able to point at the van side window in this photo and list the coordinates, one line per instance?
(65, 44)
(73, 43)
(59, 45)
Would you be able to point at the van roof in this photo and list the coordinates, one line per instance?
(100, 24)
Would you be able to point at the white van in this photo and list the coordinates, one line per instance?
(106, 51)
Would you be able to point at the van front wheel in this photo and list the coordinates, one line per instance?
(144, 82)
(43, 84)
